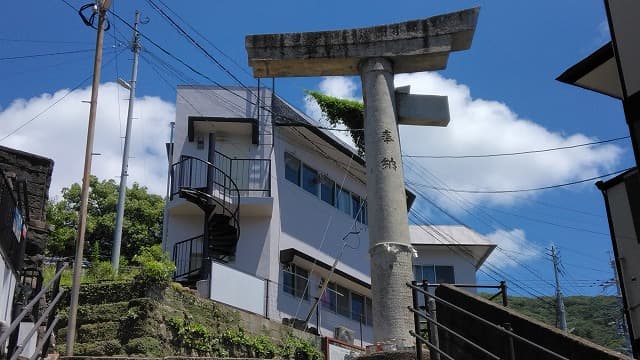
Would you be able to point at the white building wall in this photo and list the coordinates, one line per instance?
(298, 219)
(7, 287)
(315, 227)
(463, 270)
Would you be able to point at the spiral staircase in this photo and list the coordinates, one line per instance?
(216, 194)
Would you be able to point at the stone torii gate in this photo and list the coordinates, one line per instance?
(376, 54)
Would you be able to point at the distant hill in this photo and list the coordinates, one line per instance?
(590, 317)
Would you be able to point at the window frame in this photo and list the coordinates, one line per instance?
(289, 156)
(314, 182)
(298, 279)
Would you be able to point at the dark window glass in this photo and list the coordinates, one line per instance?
(368, 311)
(310, 180)
(292, 169)
(343, 200)
(444, 275)
(424, 272)
(288, 284)
(343, 301)
(302, 277)
(355, 207)
(357, 307)
(327, 190)
(294, 281)
(329, 298)
(365, 214)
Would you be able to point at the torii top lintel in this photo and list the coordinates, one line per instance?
(412, 46)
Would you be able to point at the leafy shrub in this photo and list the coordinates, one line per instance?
(155, 265)
(100, 271)
(292, 347)
(144, 346)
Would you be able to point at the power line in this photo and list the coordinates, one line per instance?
(207, 40)
(516, 153)
(46, 54)
(182, 32)
(541, 221)
(44, 41)
(53, 104)
(469, 191)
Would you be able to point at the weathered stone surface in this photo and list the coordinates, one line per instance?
(412, 46)
(36, 170)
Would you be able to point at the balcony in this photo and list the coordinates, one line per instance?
(251, 176)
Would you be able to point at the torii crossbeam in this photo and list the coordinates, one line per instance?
(376, 53)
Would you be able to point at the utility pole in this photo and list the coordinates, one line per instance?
(102, 8)
(165, 222)
(561, 320)
(117, 234)
(623, 322)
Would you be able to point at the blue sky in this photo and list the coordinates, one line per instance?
(505, 83)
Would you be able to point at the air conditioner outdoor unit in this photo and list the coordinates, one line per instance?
(344, 334)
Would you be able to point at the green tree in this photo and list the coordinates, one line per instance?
(142, 224)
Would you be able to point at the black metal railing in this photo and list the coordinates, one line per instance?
(187, 256)
(212, 186)
(48, 315)
(253, 176)
(430, 336)
(191, 173)
(11, 224)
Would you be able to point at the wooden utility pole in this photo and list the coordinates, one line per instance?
(103, 7)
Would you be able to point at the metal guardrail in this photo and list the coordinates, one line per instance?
(55, 283)
(182, 256)
(429, 314)
(253, 176)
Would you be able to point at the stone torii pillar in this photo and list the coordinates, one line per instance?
(376, 54)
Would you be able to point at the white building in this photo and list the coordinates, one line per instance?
(283, 199)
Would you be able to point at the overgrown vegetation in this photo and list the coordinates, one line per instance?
(590, 317)
(126, 318)
(153, 266)
(235, 342)
(142, 220)
(342, 111)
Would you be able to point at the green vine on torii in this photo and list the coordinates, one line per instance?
(342, 111)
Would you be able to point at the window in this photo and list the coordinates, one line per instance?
(343, 200)
(310, 180)
(347, 303)
(329, 298)
(434, 274)
(294, 281)
(344, 307)
(356, 213)
(322, 186)
(357, 307)
(327, 190)
(292, 168)
(365, 213)
(368, 311)
(444, 275)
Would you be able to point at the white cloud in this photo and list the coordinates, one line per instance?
(60, 134)
(513, 249)
(481, 126)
